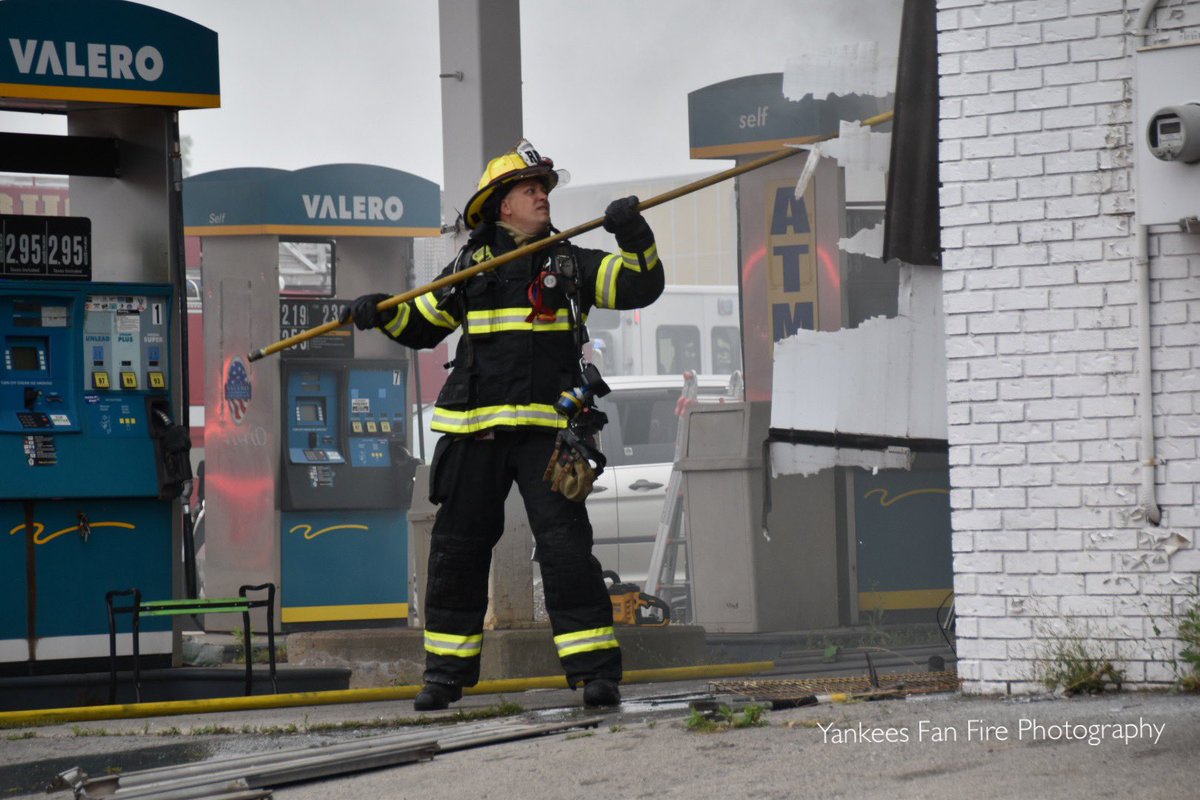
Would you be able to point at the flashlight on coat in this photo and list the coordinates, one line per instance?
(572, 401)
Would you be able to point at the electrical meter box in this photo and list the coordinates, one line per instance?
(1166, 95)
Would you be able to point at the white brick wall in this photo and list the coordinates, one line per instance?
(1040, 303)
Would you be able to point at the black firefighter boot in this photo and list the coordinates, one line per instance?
(601, 692)
(436, 696)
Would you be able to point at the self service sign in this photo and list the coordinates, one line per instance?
(106, 51)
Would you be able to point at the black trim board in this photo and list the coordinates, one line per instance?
(857, 441)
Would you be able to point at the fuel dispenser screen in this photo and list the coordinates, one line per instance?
(27, 358)
(310, 410)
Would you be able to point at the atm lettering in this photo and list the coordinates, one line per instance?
(789, 256)
(792, 292)
(787, 318)
(790, 214)
(87, 60)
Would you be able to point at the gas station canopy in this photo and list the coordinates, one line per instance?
(62, 53)
(751, 115)
(325, 200)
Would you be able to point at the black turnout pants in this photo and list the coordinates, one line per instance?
(470, 477)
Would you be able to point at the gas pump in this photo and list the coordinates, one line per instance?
(92, 382)
(305, 461)
(90, 471)
(346, 488)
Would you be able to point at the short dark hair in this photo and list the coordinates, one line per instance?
(491, 206)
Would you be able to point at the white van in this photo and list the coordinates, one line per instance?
(693, 328)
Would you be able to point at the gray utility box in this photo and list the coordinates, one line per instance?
(1164, 79)
(743, 581)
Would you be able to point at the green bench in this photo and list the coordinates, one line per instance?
(166, 608)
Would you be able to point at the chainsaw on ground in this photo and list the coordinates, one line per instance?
(632, 606)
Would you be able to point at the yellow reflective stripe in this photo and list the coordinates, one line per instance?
(449, 644)
(569, 644)
(513, 319)
(482, 254)
(634, 261)
(651, 254)
(606, 280)
(400, 321)
(478, 419)
(427, 305)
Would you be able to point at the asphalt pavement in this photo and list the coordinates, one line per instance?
(1126, 745)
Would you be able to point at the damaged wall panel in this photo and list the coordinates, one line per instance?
(886, 378)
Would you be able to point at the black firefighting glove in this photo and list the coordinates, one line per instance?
(365, 314)
(624, 221)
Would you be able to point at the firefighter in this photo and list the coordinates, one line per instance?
(517, 407)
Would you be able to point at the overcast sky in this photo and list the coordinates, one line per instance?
(306, 82)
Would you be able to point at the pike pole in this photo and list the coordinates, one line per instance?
(485, 266)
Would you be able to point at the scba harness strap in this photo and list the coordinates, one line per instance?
(576, 460)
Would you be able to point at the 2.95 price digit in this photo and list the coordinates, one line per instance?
(47, 247)
(66, 250)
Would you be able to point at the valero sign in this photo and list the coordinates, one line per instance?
(106, 51)
(325, 200)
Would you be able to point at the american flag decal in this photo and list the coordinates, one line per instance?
(237, 390)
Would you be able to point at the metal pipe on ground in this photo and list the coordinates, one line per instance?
(459, 738)
(220, 777)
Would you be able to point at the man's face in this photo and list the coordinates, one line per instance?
(527, 207)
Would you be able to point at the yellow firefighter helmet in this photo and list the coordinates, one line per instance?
(504, 171)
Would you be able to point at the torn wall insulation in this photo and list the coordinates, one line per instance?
(856, 68)
(867, 242)
(886, 378)
(912, 232)
(809, 459)
(856, 148)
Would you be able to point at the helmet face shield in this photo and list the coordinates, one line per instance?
(507, 170)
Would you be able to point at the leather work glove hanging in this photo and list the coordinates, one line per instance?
(364, 312)
(570, 472)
